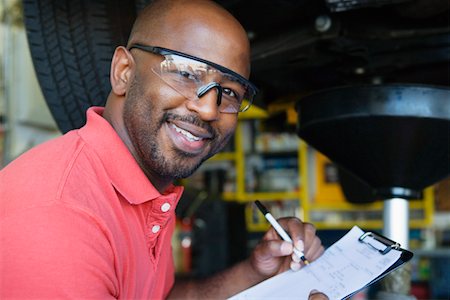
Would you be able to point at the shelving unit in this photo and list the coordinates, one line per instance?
(333, 211)
(238, 157)
(317, 201)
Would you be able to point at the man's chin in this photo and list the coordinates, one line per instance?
(182, 170)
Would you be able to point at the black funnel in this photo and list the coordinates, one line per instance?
(395, 138)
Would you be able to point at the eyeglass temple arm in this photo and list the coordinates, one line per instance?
(204, 89)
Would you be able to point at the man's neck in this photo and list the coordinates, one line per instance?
(160, 183)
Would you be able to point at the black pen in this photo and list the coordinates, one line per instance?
(283, 234)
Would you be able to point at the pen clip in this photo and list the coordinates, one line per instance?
(390, 244)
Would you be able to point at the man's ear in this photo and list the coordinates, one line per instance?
(121, 69)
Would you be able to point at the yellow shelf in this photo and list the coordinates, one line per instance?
(372, 224)
(254, 112)
(248, 197)
(223, 156)
(346, 206)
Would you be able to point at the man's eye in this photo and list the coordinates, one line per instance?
(231, 93)
(187, 75)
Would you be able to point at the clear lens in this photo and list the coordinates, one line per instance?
(187, 76)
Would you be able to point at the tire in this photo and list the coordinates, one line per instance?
(71, 44)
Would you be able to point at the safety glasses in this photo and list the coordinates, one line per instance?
(193, 77)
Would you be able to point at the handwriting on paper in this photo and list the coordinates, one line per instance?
(345, 267)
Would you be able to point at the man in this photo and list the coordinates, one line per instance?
(90, 215)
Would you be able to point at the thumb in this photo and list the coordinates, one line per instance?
(316, 295)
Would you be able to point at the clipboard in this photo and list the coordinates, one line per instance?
(387, 245)
(354, 262)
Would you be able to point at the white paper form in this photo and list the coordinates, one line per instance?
(345, 267)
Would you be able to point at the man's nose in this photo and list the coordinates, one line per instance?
(206, 88)
(207, 103)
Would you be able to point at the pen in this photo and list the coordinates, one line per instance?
(280, 230)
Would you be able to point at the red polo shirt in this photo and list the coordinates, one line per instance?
(79, 219)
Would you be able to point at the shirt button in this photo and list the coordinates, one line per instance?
(156, 228)
(165, 207)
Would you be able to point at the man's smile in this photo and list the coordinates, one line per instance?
(187, 137)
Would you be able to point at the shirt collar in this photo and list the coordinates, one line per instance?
(125, 174)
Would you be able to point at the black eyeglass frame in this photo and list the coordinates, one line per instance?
(165, 51)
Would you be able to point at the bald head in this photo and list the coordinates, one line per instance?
(200, 28)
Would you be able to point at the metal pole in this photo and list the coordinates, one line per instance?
(396, 220)
(397, 285)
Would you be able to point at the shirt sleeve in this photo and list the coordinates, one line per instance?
(55, 252)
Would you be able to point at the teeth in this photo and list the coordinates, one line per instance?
(187, 134)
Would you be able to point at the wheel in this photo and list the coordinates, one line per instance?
(71, 44)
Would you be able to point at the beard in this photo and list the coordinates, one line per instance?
(175, 167)
(144, 120)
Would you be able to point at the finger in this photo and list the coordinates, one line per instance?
(294, 227)
(272, 257)
(300, 245)
(298, 259)
(271, 234)
(316, 295)
(296, 262)
(303, 234)
(295, 258)
(273, 248)
(309, 234)
(315, 250)
(295, 266)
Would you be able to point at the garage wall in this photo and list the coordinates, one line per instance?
(27, 120)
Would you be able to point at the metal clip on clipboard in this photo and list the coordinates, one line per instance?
(390, 244)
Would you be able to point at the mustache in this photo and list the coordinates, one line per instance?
(192, 119)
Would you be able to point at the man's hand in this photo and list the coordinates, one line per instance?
(273, 255)
(270, 257)
(316, 295)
